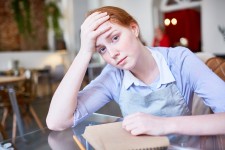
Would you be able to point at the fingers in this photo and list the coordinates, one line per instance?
(95, 20)
(132, 124)
(141, 123)
(87, 22)
(96, 23)
(100, 30)
(134, 128)
(137, 131)
(131, 118)
(91, 29)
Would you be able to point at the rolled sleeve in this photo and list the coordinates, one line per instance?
(80, 113)
(203, 81)
(194, 76)
(96, 94)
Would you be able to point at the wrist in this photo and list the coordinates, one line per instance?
(170, 126)
(86, 50)
(85, 54)
(82, 57)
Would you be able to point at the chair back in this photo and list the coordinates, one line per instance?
(217, 65)
(58, 73)
(31, 84)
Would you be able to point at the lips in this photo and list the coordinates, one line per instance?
(121, 61)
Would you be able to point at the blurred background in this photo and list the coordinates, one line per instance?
(42, 27)
(40, 38)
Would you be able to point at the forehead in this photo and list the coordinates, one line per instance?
(114, 27)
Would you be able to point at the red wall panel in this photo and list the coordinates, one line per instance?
(188, 26)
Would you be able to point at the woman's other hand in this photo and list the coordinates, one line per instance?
(141, 123)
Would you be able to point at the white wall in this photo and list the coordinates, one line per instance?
(213, 15)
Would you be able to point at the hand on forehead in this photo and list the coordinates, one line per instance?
(104, 25)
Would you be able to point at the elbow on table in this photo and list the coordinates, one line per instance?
(56, 126)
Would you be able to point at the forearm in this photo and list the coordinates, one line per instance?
(196, 125)
(64, 100)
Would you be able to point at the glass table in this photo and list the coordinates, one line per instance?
(63, 140)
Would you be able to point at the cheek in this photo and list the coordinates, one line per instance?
(124, 44)
(129, 40)
(129, 45)
(107, 58)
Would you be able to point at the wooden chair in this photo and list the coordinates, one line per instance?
(26, 93)
(5, 106)
(3, 132)
(217, 65)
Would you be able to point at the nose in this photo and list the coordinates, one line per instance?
(113, 53)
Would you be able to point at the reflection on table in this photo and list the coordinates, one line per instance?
(58, 140)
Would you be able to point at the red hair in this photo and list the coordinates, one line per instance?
(117, 15)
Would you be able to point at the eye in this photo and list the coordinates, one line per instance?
(115, 38)
(102, 50)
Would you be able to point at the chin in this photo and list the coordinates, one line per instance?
(128, 67)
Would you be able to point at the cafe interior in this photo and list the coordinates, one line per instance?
(40, 38)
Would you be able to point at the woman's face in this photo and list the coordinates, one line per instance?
(119, 46)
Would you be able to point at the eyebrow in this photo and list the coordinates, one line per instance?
(109, 35)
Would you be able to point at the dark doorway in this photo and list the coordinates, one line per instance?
(187, 27)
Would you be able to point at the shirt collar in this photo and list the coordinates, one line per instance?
(165, 76)
(130, 79)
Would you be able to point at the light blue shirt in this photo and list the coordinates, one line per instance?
(165, 75)
(190, 73)
(131, 83)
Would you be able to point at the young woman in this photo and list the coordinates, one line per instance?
(153, 86)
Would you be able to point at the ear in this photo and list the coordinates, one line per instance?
(135, 29)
